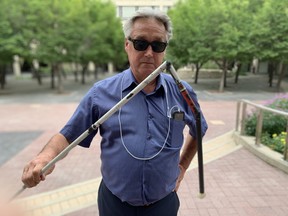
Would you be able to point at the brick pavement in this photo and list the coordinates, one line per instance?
(237, 184)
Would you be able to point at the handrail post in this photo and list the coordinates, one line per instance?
(243, 118)
(259, 127)
(286, 145)
(238, 115)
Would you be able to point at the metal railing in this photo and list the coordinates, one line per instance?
(241, 115)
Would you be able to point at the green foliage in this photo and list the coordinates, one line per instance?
(210, 65)
(190, 41)
(204, 30)
(225, 31)
(277, 142)
(270, 31)
(61, 31)
(12, 40)
(210, 30)
(272, 123)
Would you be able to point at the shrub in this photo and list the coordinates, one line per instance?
(272, 123)
(277, 142)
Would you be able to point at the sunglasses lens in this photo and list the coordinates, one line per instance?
(158, 46)
(140, 45)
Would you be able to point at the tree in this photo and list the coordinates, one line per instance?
(61, 31)
(190, 42)
(229, 23)
(12, 41)
(97, 36)
(209, 30)
(270, 36)
(245, 49)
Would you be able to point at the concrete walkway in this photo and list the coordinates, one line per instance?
(237, 182)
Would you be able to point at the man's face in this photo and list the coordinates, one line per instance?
(145, 62)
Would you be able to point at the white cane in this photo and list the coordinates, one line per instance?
(100, 121)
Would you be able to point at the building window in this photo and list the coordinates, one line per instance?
(125, 12)
(128, 11)
(166, 8)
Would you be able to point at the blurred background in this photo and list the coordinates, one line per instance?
(212, 38)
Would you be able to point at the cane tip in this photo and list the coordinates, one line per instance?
(201, 195)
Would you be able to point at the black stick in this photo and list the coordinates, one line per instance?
(197, 115)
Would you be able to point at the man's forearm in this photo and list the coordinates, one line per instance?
(55, 145)
(189, 151)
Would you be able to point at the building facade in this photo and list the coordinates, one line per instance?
(125, 8)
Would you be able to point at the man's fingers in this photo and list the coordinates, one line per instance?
(49, 171)
(32, 174)
(37, 173)
(27, 178)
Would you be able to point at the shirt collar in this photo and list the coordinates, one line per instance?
(129, 80)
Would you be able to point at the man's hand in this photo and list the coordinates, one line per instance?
(180, 177)
(188, 153)
(32, 172)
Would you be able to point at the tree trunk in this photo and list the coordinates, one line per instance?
(225, 77)
(239, 66)
(223, 82)
(221, 87)
(84, 70)
(196, 75)
(58, 73)
(36, 73)
(2, 76)
(282, 70)
(38, 77)
(76, 72)
(52, 77)
(270, 73)
(222, 65)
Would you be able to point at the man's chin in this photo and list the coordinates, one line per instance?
(148, 68)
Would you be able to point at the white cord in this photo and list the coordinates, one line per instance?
(170, 111)
(121, 135)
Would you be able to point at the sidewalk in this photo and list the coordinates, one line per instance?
(236, 184)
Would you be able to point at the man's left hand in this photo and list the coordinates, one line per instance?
(180, 177)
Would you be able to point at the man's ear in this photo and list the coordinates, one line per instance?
(126, 44)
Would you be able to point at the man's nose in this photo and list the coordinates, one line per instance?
(149, 51)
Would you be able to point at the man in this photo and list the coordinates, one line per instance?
(140, 148)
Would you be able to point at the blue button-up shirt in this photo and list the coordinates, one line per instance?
(140, 146)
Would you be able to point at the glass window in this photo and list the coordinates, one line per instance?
(152, 7)
(119, 11)
(166, 8)
(127, 11)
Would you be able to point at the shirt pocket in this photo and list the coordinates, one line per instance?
(176, 133)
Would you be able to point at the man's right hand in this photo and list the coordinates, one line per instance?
(32, 172)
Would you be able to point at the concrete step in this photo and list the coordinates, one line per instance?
(63, 200)
(216, 148)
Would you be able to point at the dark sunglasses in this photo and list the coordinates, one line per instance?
(141, 45)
